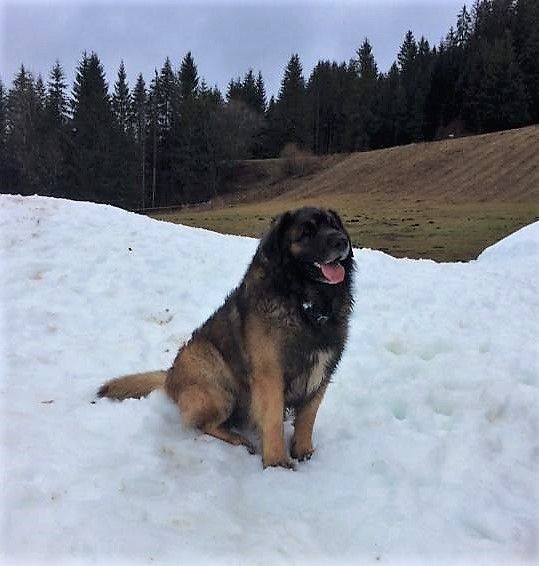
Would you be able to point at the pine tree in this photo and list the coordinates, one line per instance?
(527, 50)
(492, 19)
(496, 96)
(139, 122)
(365, 84)
(41, 132)
(325, 102)
(211, 107)
(407, 53)
(2, 113)
(90, 100)
(188, 78)
(259, 141)
(23, 121)
(249, 92)
(234, 90)
(367, 68)
(399, 108)
(443, 105)
(92, 128)
(191, 159)
(121, 101)
(267, 139)
(291, 105)
(57, 103)
(405, 93)
(165, 97)
(4, 177)
(260, 98)
(211, 94)
(56, 136)
(41, 93)
(415, 76)
(153, 106)
(464, 27)
(240, 126)
(3, 122)
(168, 124)
(124, 154)
(451, 38)
(388, 89)
(423, 81)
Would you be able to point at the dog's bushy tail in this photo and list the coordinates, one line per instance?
(133, 386)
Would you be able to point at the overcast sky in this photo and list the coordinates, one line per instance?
(226, 37)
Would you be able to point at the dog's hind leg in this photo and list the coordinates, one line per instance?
(203, 387)
(222, 433)
(207, 408)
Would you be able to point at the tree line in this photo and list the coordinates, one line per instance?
(171, 141)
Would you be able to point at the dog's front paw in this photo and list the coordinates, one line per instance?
(284, 462)
(301, 453)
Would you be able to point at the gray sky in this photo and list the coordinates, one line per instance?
(226, 37)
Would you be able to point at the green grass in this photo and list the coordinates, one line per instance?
(415, 229)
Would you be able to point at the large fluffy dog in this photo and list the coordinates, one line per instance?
(272, 346)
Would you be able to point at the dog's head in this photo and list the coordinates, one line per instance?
(312, 241)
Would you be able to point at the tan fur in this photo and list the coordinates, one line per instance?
(198, 363)
(133, 386)
(200, 382)
(302, 444)
(267, 392)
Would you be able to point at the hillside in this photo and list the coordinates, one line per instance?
(503, 166)
(445, 200)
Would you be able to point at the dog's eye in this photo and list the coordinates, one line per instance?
(307, 230)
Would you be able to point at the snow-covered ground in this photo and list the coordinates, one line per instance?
(427, 441)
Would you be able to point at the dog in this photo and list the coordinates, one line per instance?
(273, 345)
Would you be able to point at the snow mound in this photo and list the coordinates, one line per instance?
(427, 443)
(521, 245)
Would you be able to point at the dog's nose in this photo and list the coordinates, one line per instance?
(337, 241)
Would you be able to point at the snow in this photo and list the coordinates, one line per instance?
(519, 246)
(427, 441)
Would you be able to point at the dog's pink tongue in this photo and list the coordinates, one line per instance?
(333, 272)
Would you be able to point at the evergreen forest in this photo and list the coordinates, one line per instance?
(170, 139)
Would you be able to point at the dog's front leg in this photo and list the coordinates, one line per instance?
(302, 443)
(267, 409)
(267, 393)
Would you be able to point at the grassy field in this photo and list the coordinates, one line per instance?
(445, 201)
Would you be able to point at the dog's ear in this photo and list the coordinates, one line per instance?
(271, 243)
(337, 218)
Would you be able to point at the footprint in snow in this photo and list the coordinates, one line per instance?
(161, 318)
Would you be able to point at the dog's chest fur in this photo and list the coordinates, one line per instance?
(302, 385)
